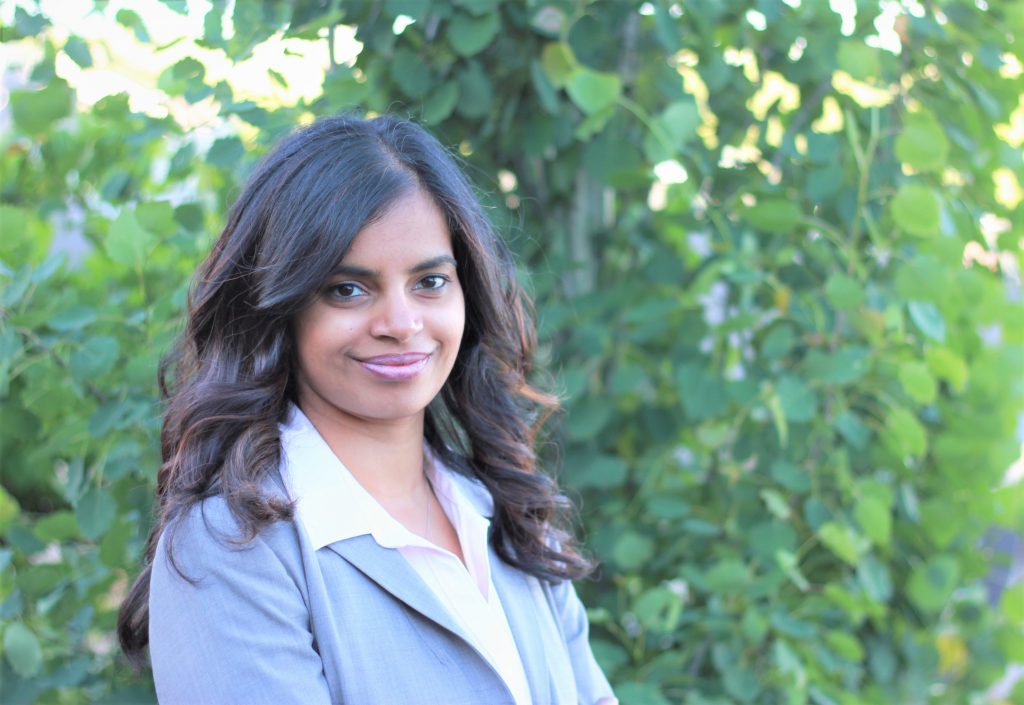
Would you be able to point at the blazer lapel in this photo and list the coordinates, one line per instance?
(518, 597)
(387, 568)
(392, 572)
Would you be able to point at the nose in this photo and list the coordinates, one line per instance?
(397, 318)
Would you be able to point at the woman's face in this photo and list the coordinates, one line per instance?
(378, 343)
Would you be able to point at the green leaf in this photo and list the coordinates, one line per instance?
(344, 91)
(157, 217)
(778, 341)
(932, 583)
(632, 551)
(844, 292)
(114, 543)
(788, 661)
(558, 62)
(792, 477)
(858, 59)
(754, 625)
(928, 319)
(440, 103)
(776, 503)
(416, 9)
(948, 366)
(546, 93)
(922, 143)
(72, 318)
(875, 520)
(604, 472)
(790, 565)
(779, 419)
(411, 73)
(941, 521)
(593, 91)
(94, 358)
(22, 651)
(915, 208)
(35, 111)
(588, 419)
(28, 25)
(640, 694)
(9, 509)
(844, 366)
(592, 124)
(469, 35)
(741, 683)
(873, 576)
(77, 49)
(127, 242)
(476, 96)
(95, 512)
(727, 576)
(478, 7)
(845, 645)
(50, 266)
(917, 382)
(627, 379)
(278, 78)
(1012, 604)
(58, 526)
(671, 130)
(843, 541)
(665, 28)
(799, 402)
(226, 152)
(658, 609)
(701, 391)
(189, 216)
(666, 507)
(774, 215)
(132, 21)
(903, 434)
(852, 429)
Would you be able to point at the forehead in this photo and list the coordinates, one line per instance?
(411, 228)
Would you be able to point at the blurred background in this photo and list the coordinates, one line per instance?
(775, 249)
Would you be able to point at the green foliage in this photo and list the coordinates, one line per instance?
(790, 404)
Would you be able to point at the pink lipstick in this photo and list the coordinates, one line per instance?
(396, 367)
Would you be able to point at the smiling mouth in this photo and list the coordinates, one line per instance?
(396, 367)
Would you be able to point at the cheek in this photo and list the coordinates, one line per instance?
(457, 322)
(318, 336)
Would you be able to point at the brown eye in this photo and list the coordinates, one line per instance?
(433, 282)
(346, 291)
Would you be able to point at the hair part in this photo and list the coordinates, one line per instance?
(229, 380)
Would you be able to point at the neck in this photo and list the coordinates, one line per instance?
(385, 458)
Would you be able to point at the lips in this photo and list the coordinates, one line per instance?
(399, 366)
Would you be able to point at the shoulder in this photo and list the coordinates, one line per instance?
(209, 538)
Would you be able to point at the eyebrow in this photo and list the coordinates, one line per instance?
(356, 271)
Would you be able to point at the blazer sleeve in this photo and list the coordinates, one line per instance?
(591, 683)
(241, 632)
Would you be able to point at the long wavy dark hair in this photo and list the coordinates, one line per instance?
(230, 378)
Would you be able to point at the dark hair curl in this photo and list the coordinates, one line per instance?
(230, 378)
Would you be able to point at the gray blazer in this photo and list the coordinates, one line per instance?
(274, 622)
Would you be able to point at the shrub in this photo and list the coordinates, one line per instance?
(776, 259)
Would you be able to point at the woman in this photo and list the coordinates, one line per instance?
(349, 508)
